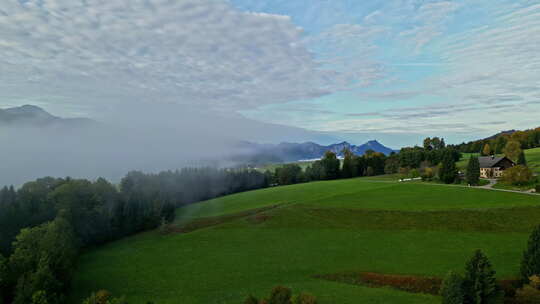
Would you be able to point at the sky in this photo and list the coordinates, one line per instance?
(393, 70)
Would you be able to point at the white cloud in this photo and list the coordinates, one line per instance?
(200, 52)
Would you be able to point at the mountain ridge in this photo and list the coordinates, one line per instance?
(34, 116)
(289, 152)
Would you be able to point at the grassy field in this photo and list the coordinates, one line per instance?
(364, 224)
(533, 159)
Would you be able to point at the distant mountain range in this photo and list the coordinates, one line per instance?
(33, 116)
(288, 152)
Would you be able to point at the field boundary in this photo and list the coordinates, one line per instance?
(408, 283)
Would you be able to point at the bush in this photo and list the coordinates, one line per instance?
(517, 175)
(452, 289)
(428, 174)
(414, 173)
(537, 188)
(529, 294)
(251, 300)
(280, 295)
(304, 298)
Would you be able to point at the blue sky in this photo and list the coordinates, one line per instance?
(396, 70)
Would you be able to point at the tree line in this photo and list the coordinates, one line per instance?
(45, 223)
(527, 139)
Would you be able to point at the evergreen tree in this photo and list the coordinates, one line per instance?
(473, 171)
(530, 264)
(521, 159)
(348, 164)
(479, 282)
(452, 289)
(448, 171)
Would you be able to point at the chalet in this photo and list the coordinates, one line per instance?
(493, 167)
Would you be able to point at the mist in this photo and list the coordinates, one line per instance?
(145, 137)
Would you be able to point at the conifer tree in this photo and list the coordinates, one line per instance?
(530, 264)
(452, 289)
(348, 164)
(448, 171)
(479, 282)
(473, 171)
(521, 159)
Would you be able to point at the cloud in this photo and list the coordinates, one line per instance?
(196, 52)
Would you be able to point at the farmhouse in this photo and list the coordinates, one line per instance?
(493, 167)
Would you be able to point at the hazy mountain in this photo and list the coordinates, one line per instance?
(287, 152)
(33, 116)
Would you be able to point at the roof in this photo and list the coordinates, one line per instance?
(490, 161)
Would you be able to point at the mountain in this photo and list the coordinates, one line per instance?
(288, 152)
(33, 116)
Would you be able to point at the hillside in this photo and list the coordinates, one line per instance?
(291, 152)
(223, 249)
(532, 156)
(34, 116)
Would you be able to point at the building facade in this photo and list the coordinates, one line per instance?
(493, 167)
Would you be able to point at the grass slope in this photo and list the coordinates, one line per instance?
(533, 159)
(326, 227)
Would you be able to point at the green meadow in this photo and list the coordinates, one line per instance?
(300, 231)
(533, 159)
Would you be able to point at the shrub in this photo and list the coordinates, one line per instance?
(517, 175)
(280, 295)
(251, 300)
(428, 174)
(530, 263)
(304, 298)
(529, 294)
(452, 289)
(537, 188)
(414, 173)
(479, 283)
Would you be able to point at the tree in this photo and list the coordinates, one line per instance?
(530, 263)
(473, 171)
(331, 165)
(521, 159)
(517, 175)
(427, 144)
(500, 143)
(486, 151)
(280, 295)
(348, 164)
(448, 171)
(512, 150)
(43, 258)
(4, 280)
(479, 281)
(452, 289)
